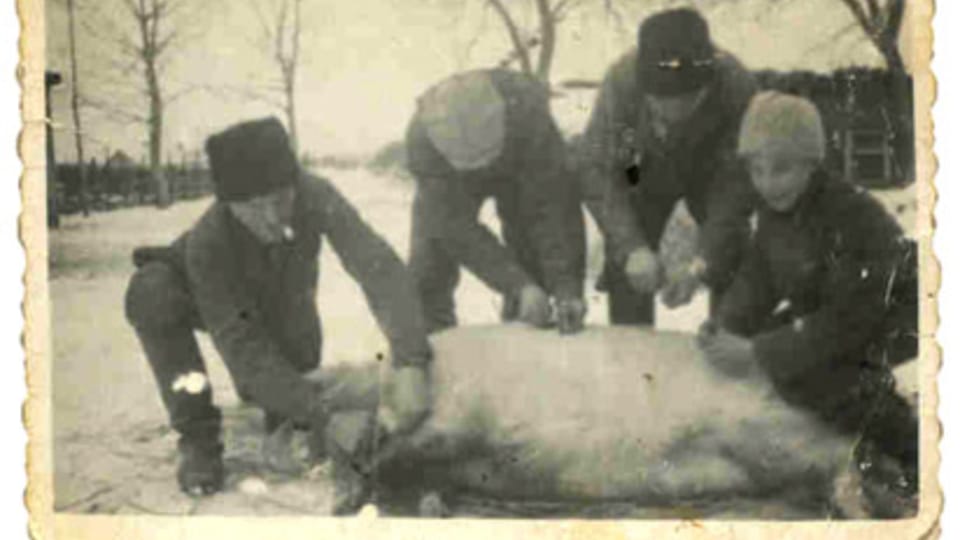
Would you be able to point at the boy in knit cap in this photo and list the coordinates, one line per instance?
(664, 129)
(489, 134)
(246, 273)
(808, 305)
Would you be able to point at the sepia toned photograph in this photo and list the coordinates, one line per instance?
(495, 261)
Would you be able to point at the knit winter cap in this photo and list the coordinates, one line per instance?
(676, 55)
(250, 159)
(465, 119)
(783, 125)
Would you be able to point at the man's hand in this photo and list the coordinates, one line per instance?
(534, 306)
(408, 399)
(728, 353)
(679, 292)
(643, 270)
(570, 314)
(682, 285)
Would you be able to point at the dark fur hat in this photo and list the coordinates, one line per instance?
(676, 55)
(251, 159)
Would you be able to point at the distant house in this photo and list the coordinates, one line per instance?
(123, 177)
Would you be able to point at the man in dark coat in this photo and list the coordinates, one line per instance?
(810, 303)
(663, 129)
(246, 273)
(489, 134)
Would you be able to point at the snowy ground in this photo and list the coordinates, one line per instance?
(112, 449)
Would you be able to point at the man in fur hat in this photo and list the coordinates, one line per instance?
(663, 129)
(246, 273)
(489, 134)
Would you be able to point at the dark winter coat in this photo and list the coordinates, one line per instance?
(531, 180)
(631, 179)
(258, 302)
(814, 289)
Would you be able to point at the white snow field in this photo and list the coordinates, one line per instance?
(113, 451)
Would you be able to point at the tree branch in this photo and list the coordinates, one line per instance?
(247, 93)
(295, 56)
(548, 40)
(894, 18)
(612, 12)
(113, 110)
(165, 42)
(559, 7)
(865, 23)
(280, 25)
(514, 32)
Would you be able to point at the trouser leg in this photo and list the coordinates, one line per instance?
(880, 416)
(435, 273)
(159, 307)
(625, 305)
(885, 426)
(524, 253)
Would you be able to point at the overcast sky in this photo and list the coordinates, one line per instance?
(367, 60)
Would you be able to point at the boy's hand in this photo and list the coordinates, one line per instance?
(408, 400)
(708, 329)
(682, 285)
(728, 353)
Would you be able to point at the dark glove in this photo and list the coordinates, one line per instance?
(570, 314)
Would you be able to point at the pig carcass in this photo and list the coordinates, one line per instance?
(611, 414)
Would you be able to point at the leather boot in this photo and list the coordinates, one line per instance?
(200, 470)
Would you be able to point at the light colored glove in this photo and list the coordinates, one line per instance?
(570, 314)
(534, 306)
(681, 285)
(643, 270)
(408, 399)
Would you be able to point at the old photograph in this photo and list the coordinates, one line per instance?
(516, 260)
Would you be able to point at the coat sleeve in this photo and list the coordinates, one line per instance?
(726, 230)
(731, 197)
(749, 299)
(853, 296)
(551, 208)
(237, 326)
(601, 157)
(451, 217)
(378, 270)
(449, 214)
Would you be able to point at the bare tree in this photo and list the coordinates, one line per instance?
(550, 14)
(881, 23)
(135, 42)
(150, 16)
(280, 24)
(75, 106)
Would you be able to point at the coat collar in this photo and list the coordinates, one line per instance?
(704, 120)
